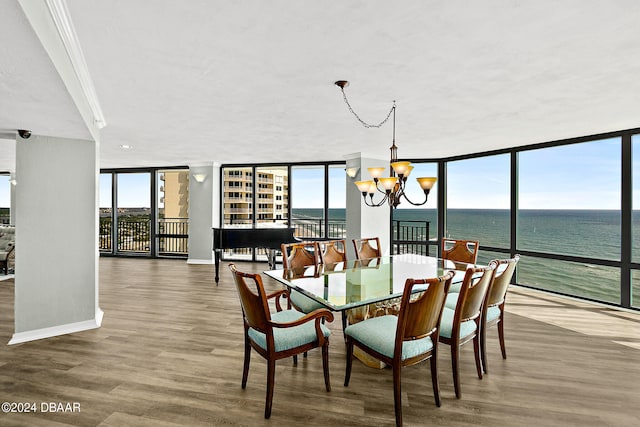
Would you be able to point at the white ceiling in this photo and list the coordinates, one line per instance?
(252, 81)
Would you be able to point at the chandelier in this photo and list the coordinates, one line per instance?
(391, 187)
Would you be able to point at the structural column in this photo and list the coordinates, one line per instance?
(56, 218)
(364, 221)
(204, 211)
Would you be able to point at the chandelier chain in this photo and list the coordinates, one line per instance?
(365, 124)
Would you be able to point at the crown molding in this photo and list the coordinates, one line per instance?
(51, 21)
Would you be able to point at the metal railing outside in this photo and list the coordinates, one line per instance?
(173, 236)
(134, 235)
(408, 236)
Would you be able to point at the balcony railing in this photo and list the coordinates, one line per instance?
(173, 236)
(407, 237)
(410, 237)
(134, 236)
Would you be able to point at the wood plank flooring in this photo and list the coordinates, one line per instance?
(170, 350)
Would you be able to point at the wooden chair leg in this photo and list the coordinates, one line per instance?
(344, 323)
(483, 347)
(295, 360)
(501, 337)
(455, 351)
(434, 378)
(476, 353)
(397, 393)
(271, 373)
(247, 360)
(347, 373)
(325, 365)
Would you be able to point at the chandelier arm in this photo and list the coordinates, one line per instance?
(373, 204)
(384, 192)
(365, 124)
(416, 204)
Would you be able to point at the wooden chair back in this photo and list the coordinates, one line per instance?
(333, 251)
(364, 249)
(296, 257)
(498, 291)
(463, 251)
(255, 308)
(473, 292)
(420, 314)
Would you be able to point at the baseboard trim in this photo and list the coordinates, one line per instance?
(199, 261)
(69, 328)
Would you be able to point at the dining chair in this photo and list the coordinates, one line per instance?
(493, 311)
(461, 253)
(278, 335)
(462, 324)
(407, 339)
(332, 252)
(364, 248)
(297, 258)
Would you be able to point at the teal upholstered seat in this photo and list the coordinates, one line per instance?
(288, 338)
(452, 300)
(446, 324)
(379, 334)
(455, 288)
(304, 303)
(493, 313)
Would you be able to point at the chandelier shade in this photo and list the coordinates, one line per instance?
(392, 187)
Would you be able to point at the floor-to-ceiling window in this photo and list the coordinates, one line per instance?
(271, 195)
(307, 201)
(337, 202)
(415, 228)
(309, 198)
(569, 204)
(172, 203)
(150, 209)
(133, 212)
(478, 203)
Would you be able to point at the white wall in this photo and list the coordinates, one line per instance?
(56, 206)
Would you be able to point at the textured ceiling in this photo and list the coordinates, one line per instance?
(252, 81)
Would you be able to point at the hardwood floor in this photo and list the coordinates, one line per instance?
(170, 350)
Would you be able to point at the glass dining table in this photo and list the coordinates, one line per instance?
(343, 286)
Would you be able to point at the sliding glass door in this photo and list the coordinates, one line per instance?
(133, 213)
(172, 226)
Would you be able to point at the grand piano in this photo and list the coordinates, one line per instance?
(269, 238)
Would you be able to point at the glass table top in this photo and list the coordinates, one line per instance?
(355, 283)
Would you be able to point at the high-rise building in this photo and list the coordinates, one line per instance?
(272, 192)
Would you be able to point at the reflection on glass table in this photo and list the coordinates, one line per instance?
(356, 283)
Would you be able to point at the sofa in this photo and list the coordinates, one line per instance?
(7, 248)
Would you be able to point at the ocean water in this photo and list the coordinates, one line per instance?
(583, 233)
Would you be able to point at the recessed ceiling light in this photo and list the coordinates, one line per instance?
(125, 147)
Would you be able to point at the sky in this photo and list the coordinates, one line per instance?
(578, 176)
